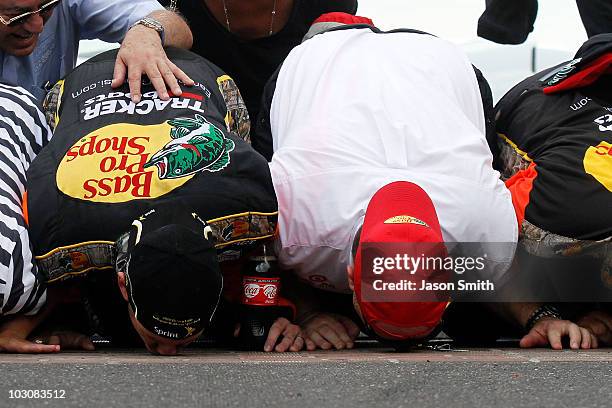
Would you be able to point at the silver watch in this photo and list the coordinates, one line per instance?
(150, 22)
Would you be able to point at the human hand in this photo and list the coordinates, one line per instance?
(550, 330)
(67, 340)
(329, 330)
(14, 333)
(23, 346)
(141, 52)
(599, 323)
(292, 338)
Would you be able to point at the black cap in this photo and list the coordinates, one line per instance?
(173, 278)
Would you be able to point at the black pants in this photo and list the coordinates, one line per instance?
(511, 21)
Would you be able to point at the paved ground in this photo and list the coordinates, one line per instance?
(368, 377)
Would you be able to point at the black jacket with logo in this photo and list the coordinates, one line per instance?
(559, 122)
(111, 160)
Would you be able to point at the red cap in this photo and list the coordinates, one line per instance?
(400, 212)
(342, 18)
(331, 20)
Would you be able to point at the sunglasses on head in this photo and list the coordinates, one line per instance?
(45, 9)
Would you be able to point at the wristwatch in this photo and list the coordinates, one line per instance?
(154, 24)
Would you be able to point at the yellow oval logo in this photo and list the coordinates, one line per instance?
(598, 163)
(112, 165)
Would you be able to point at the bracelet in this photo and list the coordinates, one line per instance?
(153, 24)
(541, 312)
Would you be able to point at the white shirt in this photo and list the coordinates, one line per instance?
(355, 110)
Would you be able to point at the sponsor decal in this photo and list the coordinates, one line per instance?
(576, 106)
(117, 163)
(605, 123)
(189, 325)
(405, 219)
(75, 261)
(197, 145)
(120, 102)
(564, 72)
(251, 290)
(598, 163)
(235, 229)
(96, 85)
(165, 333)
(260, 291)
(79, 260)
(270, 291)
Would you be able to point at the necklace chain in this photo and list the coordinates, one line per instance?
(227, 17)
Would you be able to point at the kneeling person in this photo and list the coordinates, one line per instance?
(173, 175)
(556, 152)
(389, 150)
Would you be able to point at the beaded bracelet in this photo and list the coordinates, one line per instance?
(541, 312)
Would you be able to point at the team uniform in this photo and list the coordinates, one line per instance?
(23, 133)
(114, 160)
(350, 114)
(556, 152)
(556, 136)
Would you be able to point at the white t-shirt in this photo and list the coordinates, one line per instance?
(355, 110)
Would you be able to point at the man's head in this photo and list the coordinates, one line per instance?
(21, 22)
(399, 214)
(169, 275)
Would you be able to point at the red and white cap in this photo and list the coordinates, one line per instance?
(400, 212)
(331, 20)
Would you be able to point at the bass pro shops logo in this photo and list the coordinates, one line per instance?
(197, 145)
(117, 162)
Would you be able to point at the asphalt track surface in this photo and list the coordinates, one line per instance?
(365, 377)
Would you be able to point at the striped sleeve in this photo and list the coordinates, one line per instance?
(23, 133)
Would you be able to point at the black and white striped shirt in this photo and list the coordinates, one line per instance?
(23, 133)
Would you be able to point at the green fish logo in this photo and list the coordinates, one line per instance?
(196, 145)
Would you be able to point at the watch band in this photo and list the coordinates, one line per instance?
(540, 313)
(150, 22)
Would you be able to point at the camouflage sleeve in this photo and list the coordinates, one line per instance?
(52, 103)
(237, 118)
(511, 160)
